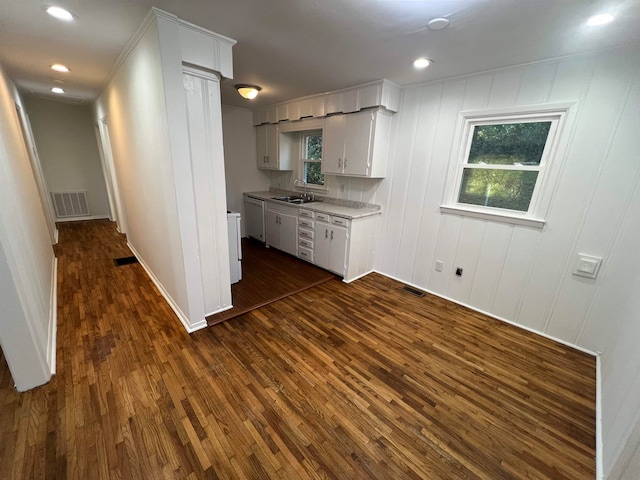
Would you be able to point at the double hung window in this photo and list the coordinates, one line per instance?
(503, 165)
(311, 164)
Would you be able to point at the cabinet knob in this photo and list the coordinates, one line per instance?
(345, 163)
(331, 234)
(339, 163)
(326, 233)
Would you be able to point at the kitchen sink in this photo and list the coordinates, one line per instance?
(297, 199)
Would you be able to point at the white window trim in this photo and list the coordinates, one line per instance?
(310, 186)
(561, 115)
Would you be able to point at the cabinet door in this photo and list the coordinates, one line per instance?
(321, 245)
(273, 229)
(288, 233)
(357, 150)
(333, 137)
(261, 138)
(338, 250)
(267, 146)
(272, 147)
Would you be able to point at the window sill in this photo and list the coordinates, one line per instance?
(313, 188)
(496, 217)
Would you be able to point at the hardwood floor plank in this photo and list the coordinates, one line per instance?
(341, 381)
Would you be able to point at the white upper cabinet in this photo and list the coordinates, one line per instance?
(382, 93)
(357, 144)
(333, 137)
(276, 151)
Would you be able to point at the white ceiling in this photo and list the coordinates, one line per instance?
(294, 48)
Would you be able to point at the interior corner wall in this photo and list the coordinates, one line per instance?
(523, 274)
(27, 266)
(134, 107)
(240, 154)
(68, 151)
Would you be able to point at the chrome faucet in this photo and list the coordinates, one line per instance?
(305, 195)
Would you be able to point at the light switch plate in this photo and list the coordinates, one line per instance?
(587, 265)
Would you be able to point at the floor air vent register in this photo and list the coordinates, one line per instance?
(413, 291)
(125, 261)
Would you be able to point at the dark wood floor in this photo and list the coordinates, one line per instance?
(340, 381)
(268, 275)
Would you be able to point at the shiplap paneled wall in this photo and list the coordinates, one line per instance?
(523, 274)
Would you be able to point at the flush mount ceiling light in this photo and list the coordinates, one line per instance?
(438, 23)
(601, 19)
(248, 91)
(59, 13)
(58, 67)
(422, 62)
(57, 90)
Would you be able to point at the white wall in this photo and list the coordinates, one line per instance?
(68, 151)
(523, 274)
(240, 158)
(134, 106)
(27, 264)
(166, 142)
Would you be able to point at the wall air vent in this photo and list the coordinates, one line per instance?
(70, 204)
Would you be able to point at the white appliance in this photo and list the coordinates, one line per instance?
(235, 246)
(254, 218)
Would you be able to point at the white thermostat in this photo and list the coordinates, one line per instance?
(587, 266)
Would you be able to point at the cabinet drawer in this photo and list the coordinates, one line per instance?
(305, 254)
(322, 217)
(306, 223)
(340, 221)
(304, 233)
(303, 242)
(305, 213)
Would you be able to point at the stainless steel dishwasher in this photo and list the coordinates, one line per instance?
(254, 218)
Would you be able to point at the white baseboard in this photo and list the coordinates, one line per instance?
(224, 309)
(55, 236)
(53, 317)
(189, 327)
(360, 276)
(80, 219)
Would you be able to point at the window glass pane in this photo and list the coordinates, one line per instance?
(509, 189)
(509, 143)
(313, 173)
(313, 147)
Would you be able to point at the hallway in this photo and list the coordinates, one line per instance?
(339, 381)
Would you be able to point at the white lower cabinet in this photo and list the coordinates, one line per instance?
(343, 246)
(282, 225)
(330, 250)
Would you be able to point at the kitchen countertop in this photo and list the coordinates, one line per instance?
(331, 206)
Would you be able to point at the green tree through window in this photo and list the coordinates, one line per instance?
(502, 167)
(311, 164)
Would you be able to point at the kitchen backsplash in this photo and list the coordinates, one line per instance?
(350, 189)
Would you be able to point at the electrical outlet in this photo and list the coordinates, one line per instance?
(439, 265)
(459, 271)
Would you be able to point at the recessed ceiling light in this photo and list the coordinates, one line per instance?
(58, 67)
(599, 20)
(57, 90)
(422, 62)
(60, 13)
(438, 23)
